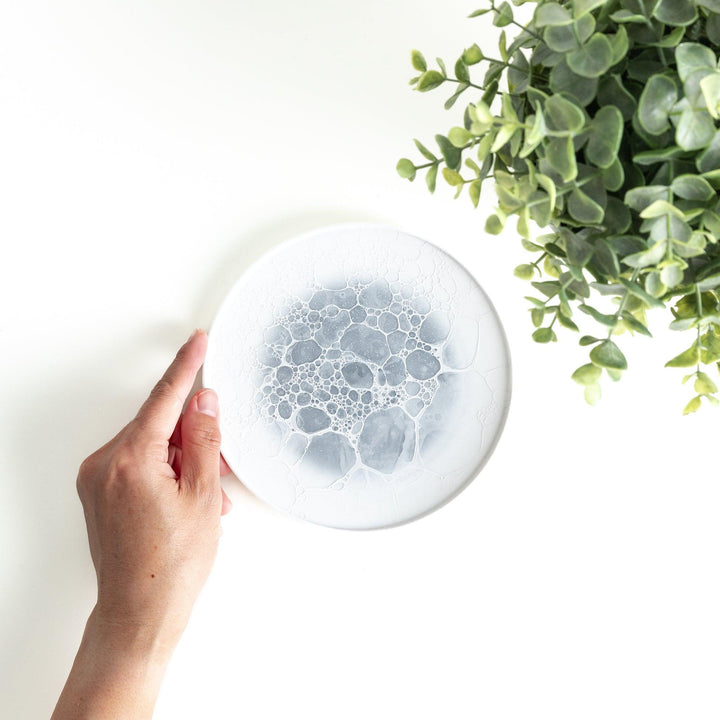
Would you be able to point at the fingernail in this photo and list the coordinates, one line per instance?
(195, 332)
(208, 403)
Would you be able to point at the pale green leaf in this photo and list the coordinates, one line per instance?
(608, 355)
(657, 100)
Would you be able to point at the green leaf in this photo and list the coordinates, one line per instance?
(494, 224)
(583, 209)
(602, 318)
(564, 80)
(708, 283)
(695, 129)
(561, 156)
(608, 355)
(450, 153)
(589, 340)
(582, 7)
(544, 335)
(480, 12)
(670, 40)
(687, 358)
(472, 55)
(459, 136)
(551, 13)
(418, 60)
(611, 91)
(563, 38)
(452, 177)
(503, 15)
(461, 71)
(548, 185)
(676, 12)
(537, 315)
(704, 384)
(693, 56)
(613, 176)
(645, 258)
(563, 115)
(693, 405)
(481, 118)
(633, 324)
(431, 178)
(685, 324)
(656, 102)
(587, 374)
(617, 218)
(710, 86)
(651, 157)
(424, 151)
(627, 16)
(524, 272)
(660, 208)
(539, 304)
(620, 44)
(712, 26)
(566, 322)
(692, 187)
(634, 289)
(502, 46)
(474, 191)
(592, 394)
(547, 288)
(462, 87)
(641, 197)
(429, 81)
(593, 59)
(405, 169)
(536, 134)
(579, 251)
(605, 136)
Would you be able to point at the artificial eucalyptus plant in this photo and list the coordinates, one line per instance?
(598, 120)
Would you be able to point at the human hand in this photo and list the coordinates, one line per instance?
(152, 501)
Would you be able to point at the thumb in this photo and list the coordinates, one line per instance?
(200, 469)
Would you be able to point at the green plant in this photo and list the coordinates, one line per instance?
(598, 119)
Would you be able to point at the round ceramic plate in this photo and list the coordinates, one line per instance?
(363, 377)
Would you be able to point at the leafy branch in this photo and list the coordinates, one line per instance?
(598, 121)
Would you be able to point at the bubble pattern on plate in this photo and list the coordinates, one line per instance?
(363, 376)
(361, 362)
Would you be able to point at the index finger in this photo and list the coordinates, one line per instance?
(160, 412)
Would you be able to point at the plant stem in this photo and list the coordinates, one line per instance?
(623, 301)
(465, 82)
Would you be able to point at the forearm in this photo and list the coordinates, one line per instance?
(116, 674)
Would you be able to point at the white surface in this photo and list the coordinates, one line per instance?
(394, 452)
(149, 151)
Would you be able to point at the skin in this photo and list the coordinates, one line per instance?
(152, 501)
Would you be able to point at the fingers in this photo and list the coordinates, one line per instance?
(226, 504)
(200, 469)
(161, 411)
(175, 460)
(224, 467)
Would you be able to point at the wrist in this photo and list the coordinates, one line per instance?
(117, 672)
(150, 641)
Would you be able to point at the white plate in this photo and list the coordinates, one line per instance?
(363, 377)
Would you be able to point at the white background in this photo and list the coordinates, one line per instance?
(149, 151)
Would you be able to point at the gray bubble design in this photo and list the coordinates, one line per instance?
(352, 371)
(363, 376)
